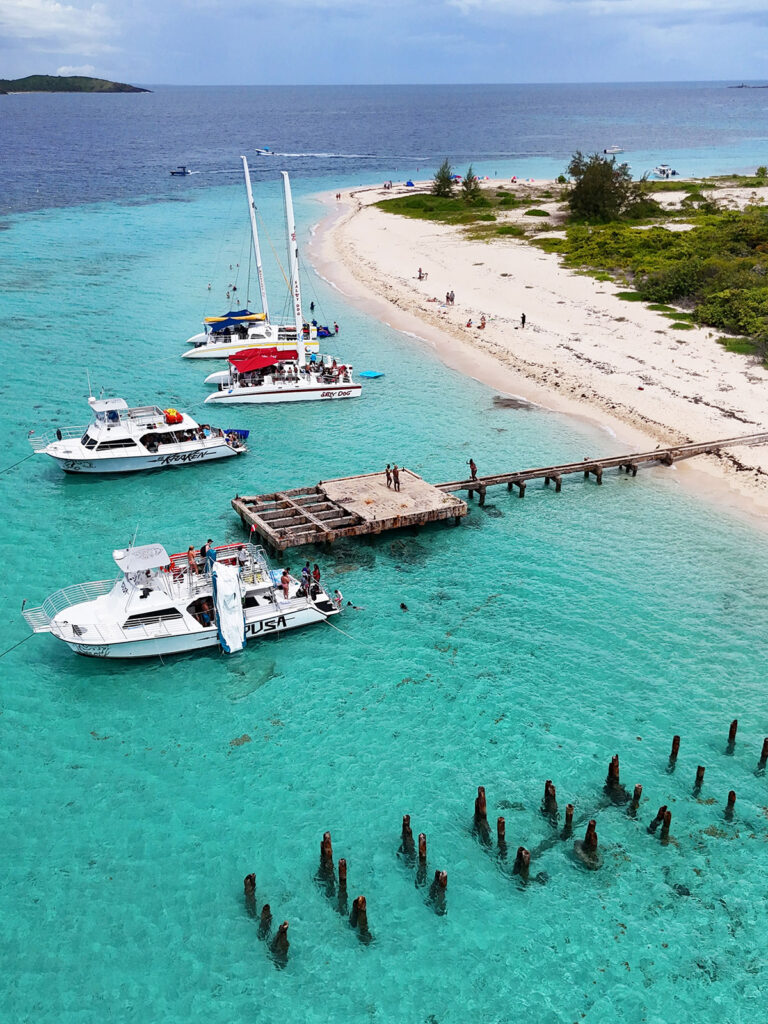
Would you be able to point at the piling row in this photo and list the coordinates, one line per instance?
(586, 851)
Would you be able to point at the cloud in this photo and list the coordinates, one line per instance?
(80, 69)
(59, 27)
(661, 9)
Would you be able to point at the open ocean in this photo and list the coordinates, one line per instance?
(543, 636)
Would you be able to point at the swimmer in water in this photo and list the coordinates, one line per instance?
(403, 607)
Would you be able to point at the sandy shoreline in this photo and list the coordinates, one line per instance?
(583, 352)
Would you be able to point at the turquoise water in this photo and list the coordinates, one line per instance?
(542, 637)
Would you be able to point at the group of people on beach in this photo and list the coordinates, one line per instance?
(393, 476)
(450, 298)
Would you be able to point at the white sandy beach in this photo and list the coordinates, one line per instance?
(583, 350)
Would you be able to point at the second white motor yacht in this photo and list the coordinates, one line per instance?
(123, 440)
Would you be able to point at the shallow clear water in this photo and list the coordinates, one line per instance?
(542, 637)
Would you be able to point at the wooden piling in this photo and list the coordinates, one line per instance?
(422, 848)
(666, 821)
(675, 749)
(763, 754)
(481, 809)
(699, 778)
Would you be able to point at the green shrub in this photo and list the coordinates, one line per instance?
(535, 213)
(511, 229)
(629, 296)
(679, 326)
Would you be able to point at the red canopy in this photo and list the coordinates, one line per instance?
(259, 358)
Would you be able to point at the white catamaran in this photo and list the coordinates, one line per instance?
(123, 440)
(241, 329)
(266, 377)
(166, 604)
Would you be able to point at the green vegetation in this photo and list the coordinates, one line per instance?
(513, 230)
(71, 83)
(470, 186)
(604, 191)
(442, 183)
(718, 270)
(535, 213)
(629, 296)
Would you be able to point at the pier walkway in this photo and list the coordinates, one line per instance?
(594, 467)
(354, 506)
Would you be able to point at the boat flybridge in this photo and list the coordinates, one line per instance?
(262, 377)
(241, 329)
(124, 440)
(167, 604)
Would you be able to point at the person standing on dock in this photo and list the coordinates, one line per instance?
(396, 477)
(388, 471)
(472, 469)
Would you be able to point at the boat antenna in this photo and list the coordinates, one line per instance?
(88, 375)
(255, 237)
(135, 534)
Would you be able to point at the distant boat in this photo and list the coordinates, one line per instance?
(613, 149)
(664, 171)
(266, 151)
(180, 171)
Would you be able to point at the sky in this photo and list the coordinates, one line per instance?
(252, 42)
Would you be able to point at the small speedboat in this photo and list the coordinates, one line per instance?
(265, 151)
(166, 604)
(611, 150)
(181, 171)
(123, 440)
(266, 378)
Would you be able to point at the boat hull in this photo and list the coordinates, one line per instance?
(259, 629)
(223, 350)
(137, 463)
(269, 396)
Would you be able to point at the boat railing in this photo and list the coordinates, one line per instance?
(89, 633)
(40, 442)
(40, 619)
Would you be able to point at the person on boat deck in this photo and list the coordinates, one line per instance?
(316, 573)
(338, 599)
(242, 556)
(210, 556)
(192, 559)
(285, 583)
(306, 574)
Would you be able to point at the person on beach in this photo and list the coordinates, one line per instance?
(469, 322)
(522, 320)
(335, 327)
(452, 295)
(447, 298)
(388, 471)
(311, 307)
(472, 469)
(396, 477)
(481, 325)
(285, 582)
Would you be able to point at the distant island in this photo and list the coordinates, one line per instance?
(56, 83)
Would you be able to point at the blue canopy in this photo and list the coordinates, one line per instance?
(409, 184)
(233, 318)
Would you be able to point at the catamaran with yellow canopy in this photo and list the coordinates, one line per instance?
(241, 329)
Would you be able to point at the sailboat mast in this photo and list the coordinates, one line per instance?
(293, 262)
(255, 237)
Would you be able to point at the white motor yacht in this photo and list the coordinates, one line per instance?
(612, 150)
(664, 171)
(261, 377)
(240, 329)
(166, 604)
(264, 378)
(124, 440)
